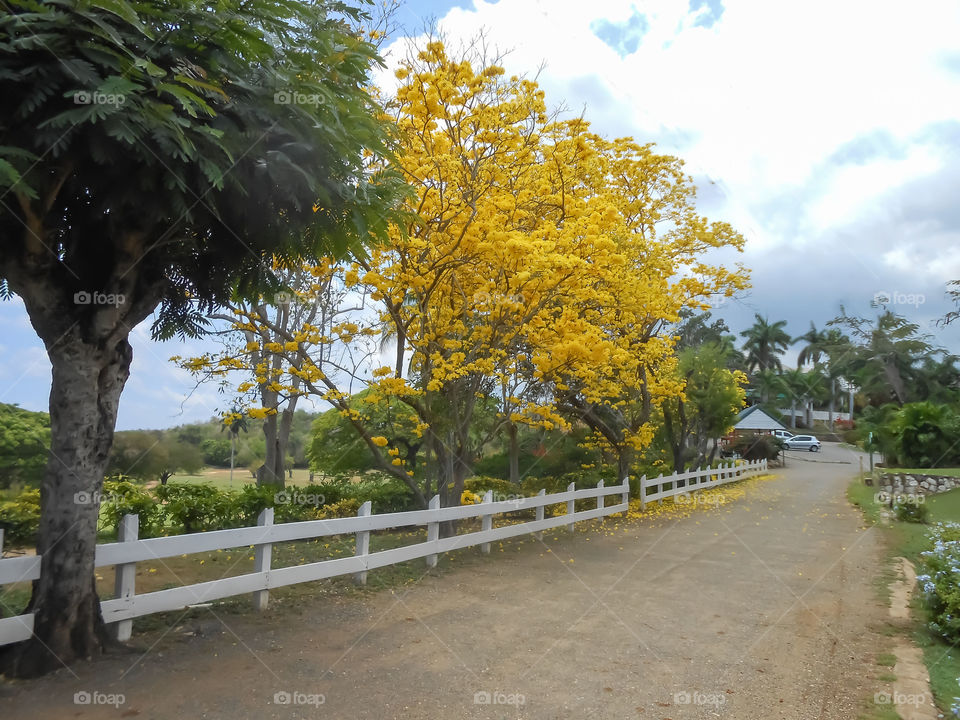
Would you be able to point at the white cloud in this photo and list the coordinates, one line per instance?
(857, 190)
(760, 99)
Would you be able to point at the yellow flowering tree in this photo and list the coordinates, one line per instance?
(530, 285)
(262, 340)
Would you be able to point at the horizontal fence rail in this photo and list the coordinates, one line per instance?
(665, 486)
(130, 550)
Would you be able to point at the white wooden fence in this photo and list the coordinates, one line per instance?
(683, 483)
(129, 550)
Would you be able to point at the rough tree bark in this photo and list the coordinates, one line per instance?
(514, 451)
(90, 356)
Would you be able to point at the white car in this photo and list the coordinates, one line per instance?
(782, 434)
(802, 442)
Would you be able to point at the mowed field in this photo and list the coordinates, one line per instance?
(220, 477)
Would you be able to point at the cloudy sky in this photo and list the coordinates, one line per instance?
(828, 133)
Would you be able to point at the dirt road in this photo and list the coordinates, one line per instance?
(758, 609)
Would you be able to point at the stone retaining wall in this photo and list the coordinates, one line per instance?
(898, 483)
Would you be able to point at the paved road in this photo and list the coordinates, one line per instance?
(762, 608)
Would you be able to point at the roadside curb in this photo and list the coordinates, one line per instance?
(822, 462)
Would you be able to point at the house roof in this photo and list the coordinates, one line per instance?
(754, 418)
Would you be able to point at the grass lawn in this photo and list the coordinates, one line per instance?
(949, 472)
(945, 507)
(909, 540)
(220, 477)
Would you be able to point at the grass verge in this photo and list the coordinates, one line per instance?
(908, 540)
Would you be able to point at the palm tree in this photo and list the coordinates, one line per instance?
(815, 346)
(795, 384)
(833, 345)
(768, 384)
(765, 342)
(884, 358)
(938, 380)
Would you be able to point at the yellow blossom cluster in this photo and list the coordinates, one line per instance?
(538, 264)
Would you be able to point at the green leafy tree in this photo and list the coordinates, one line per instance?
(336, 448)
(938, 379)
(884, 355)
(696, 329)
(146, 170)
(921, 434)
(152, 455)
(713, 396)
(24, 445)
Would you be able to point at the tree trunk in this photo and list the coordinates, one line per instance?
(624, 461)
(453, 465)
(271, 472)
(84, 397)
(793, 414)
(676, 436)
(713, 452)
(276, 433)
(514, 450)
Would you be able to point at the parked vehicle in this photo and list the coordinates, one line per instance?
(782, 434)
(802, 442)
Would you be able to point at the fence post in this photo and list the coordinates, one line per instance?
(625, 498)
(363, 542)
(643, 492)
(125, 577)
(486, 521)
(433, 531)
(571, 506)
(600, 497)
(540, 511)
(262, 555)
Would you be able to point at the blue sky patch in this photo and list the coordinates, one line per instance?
(624, 37)
(710, 12)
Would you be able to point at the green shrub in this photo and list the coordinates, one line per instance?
(20, 518)
(912, 512)
(250, 501)
(122, 497)
(291, 504)
(331, 490)
(198, 507)
(757, 447)
(940, 580)
(501, 488)
(387, 495)
(294, 504)
(557, 484)
(347, 507)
